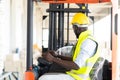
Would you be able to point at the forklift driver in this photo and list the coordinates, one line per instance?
(84, 55)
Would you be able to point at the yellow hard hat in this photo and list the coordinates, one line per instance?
(80, 18)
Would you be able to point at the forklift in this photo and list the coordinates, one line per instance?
(57, 6)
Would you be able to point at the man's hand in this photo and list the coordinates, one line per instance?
(52, 53)
(49, 57)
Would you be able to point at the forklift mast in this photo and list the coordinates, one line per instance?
(57, 6)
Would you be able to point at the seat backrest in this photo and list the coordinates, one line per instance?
(97, 70)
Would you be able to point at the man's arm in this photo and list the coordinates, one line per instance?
(53, 53)
(65, 63)
(65, 57)
(88, 49)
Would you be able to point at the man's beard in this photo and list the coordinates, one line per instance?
(77, 35)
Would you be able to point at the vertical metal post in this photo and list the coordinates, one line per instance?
(50, 42)
(29, 34)
(68, 26)
(29, 75)
(61, 27)
(86, 5)
(111, 29)
(115, 64)
(93, 22)
(54, 34)
(52, 29)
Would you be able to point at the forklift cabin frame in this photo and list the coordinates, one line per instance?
(29, 75)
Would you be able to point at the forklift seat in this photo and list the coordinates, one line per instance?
(97, 70)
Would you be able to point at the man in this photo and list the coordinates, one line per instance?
(84, 54)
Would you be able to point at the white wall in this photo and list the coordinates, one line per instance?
(4, 30)
(102, 29)
(17, 24)
(37, 25)
(102, 33)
